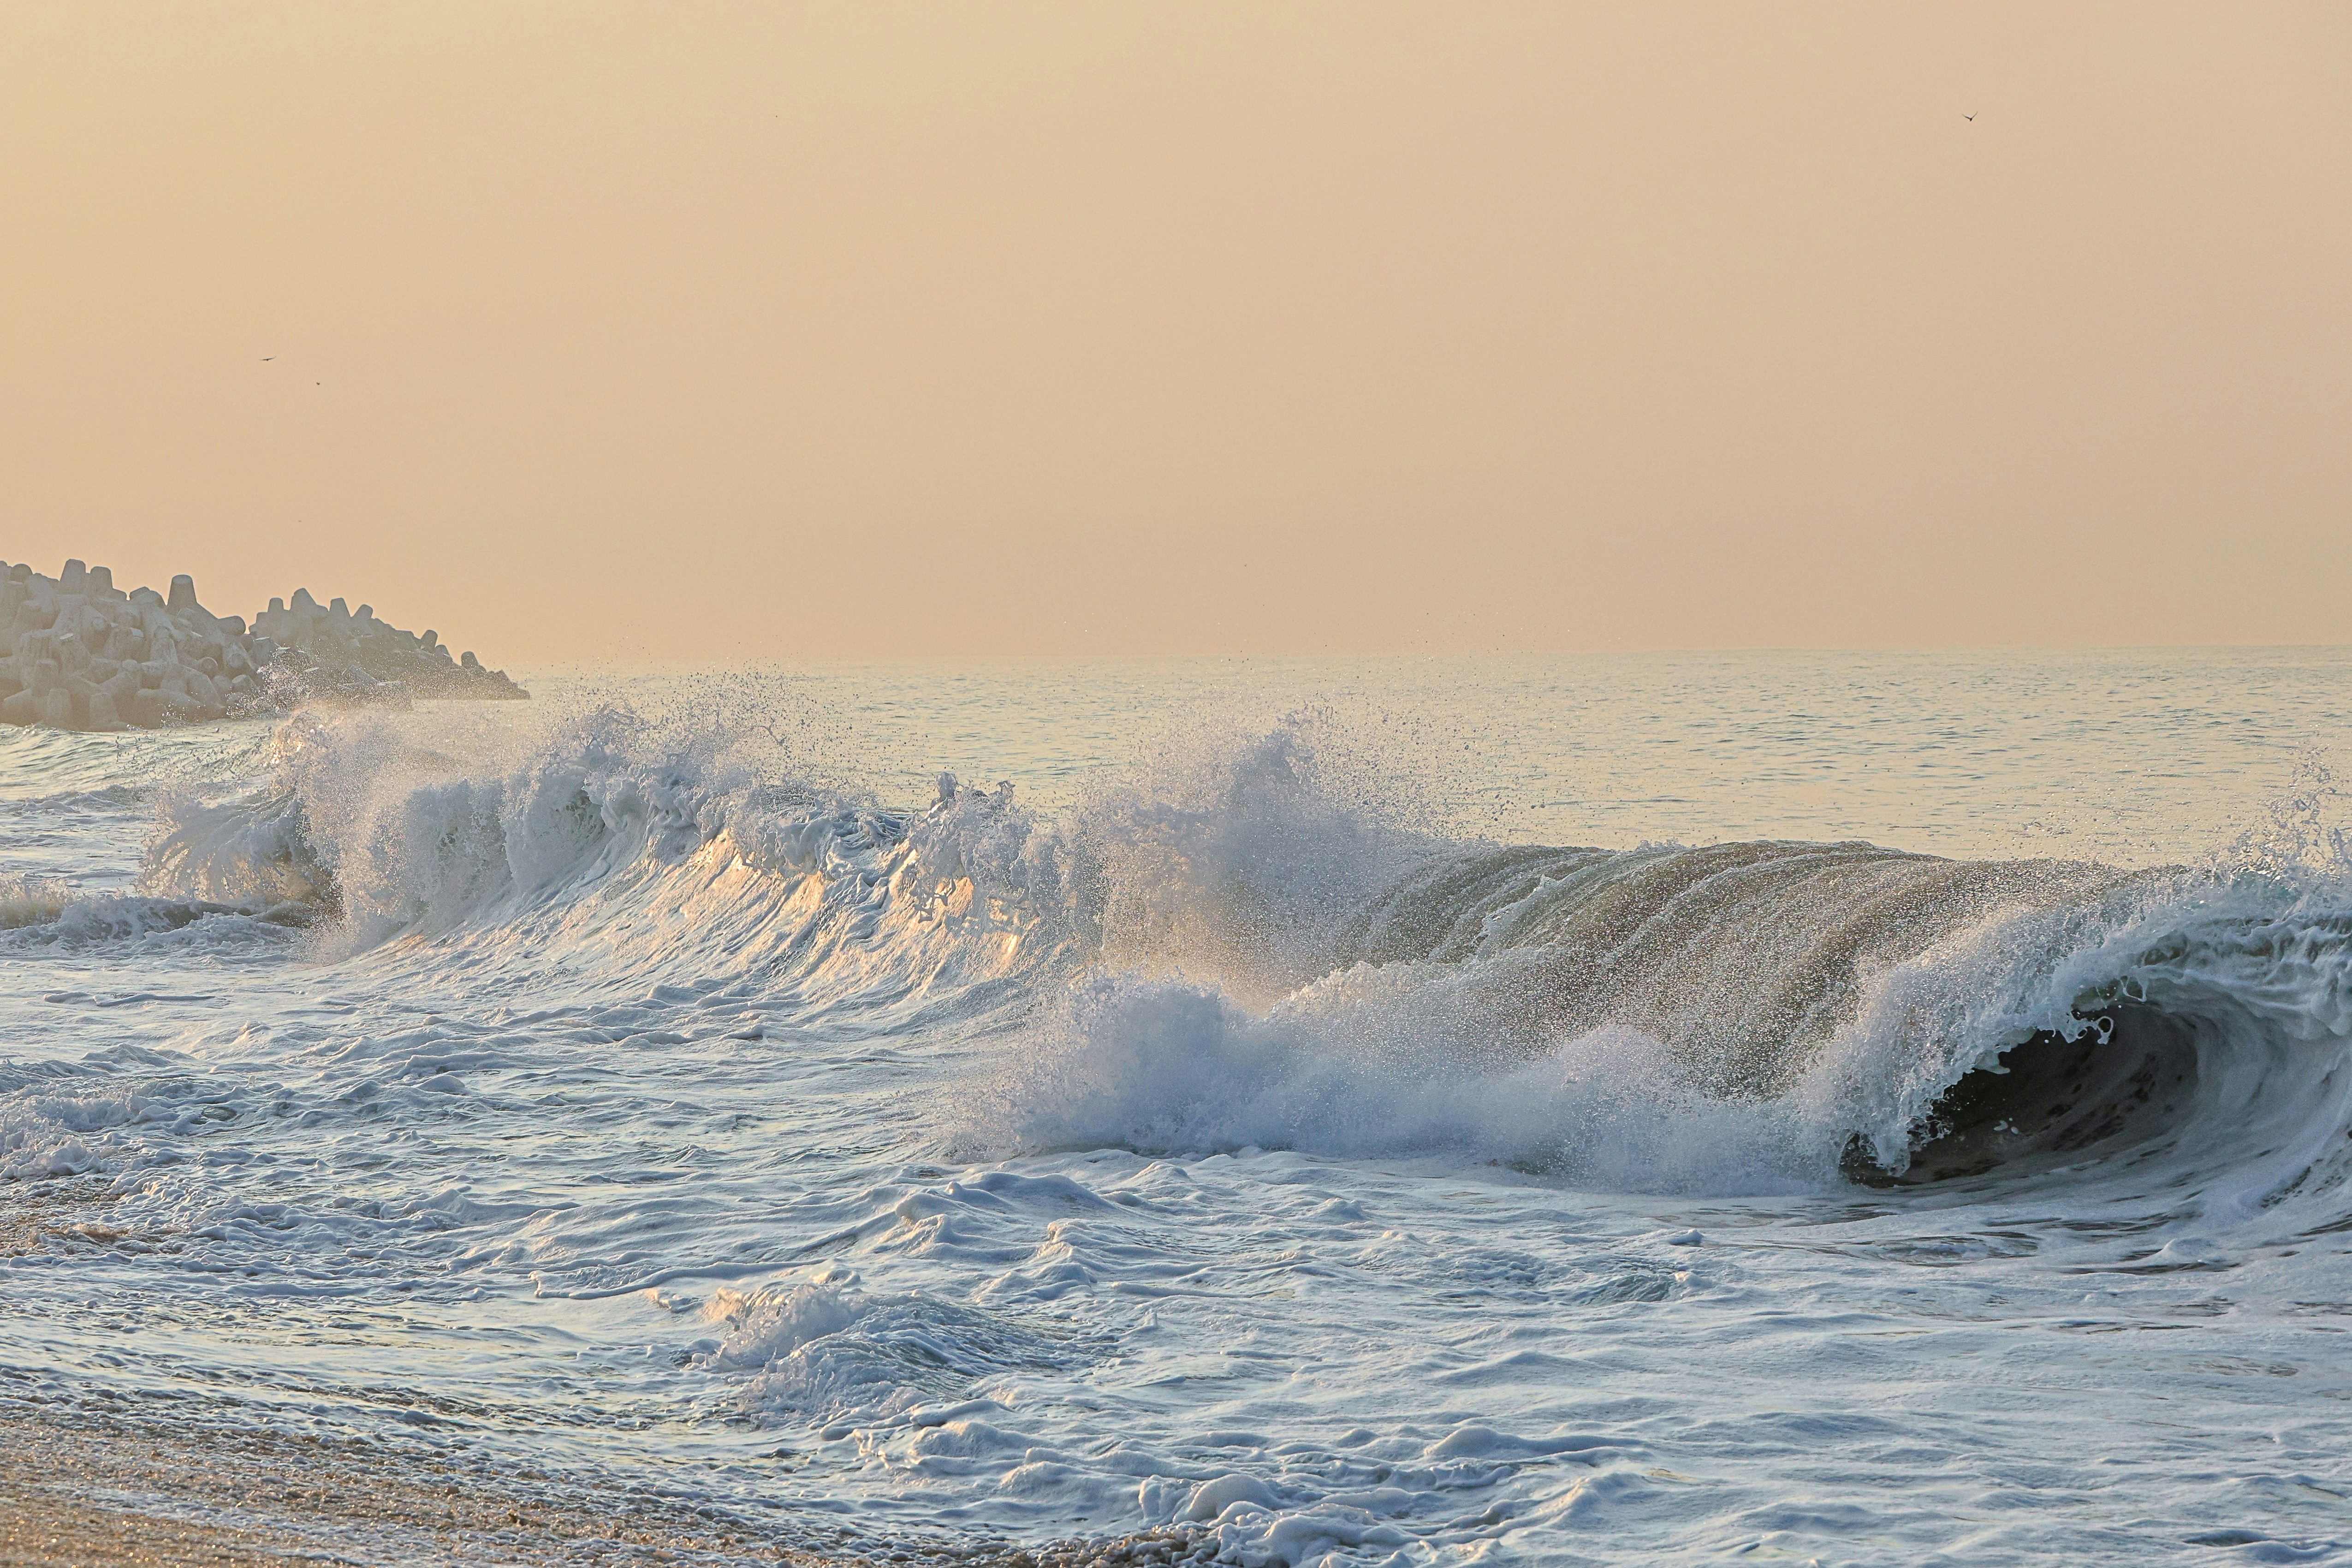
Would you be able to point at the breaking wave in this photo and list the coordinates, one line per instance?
(1254, 944)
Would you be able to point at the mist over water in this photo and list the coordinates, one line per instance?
(1857, 1107)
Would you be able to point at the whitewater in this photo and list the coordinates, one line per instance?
(1852, 1108)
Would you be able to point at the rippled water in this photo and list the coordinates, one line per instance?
(1245, 1118)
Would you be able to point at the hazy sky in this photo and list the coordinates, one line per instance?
(713, 330)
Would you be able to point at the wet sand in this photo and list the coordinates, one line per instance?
(79, 1489)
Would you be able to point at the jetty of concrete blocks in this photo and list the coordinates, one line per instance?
(79, 653)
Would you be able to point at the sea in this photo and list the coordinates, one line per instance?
(1856, 1108)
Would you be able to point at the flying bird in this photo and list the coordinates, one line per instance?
(1967, 117)
(266, 358)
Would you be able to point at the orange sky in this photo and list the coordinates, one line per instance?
(717, 331)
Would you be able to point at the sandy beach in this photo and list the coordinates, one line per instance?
(79, 1489)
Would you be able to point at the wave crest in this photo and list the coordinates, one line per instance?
(1258, 942)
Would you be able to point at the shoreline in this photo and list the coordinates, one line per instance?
(101, 1490)
(84, 1484)
(86, 1487)
(157, 1480)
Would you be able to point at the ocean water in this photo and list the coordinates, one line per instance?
(1853, 1108)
